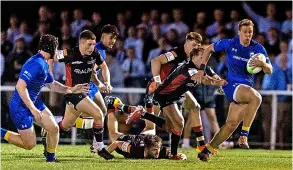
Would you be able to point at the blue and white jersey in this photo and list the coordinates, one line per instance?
(35, 72)
(237, 57)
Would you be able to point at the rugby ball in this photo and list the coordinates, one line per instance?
(254, 70)
(182, 156)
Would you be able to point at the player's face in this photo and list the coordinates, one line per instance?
(189, 45)
(87, 46)
(155, 150)
(109, 40)
(245, 34)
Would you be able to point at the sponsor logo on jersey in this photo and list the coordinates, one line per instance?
(77, 62)
(84, 71)
(240, 58)
(192, 72)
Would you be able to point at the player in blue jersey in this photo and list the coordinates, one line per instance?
(109, 35)
(26, 107)
(244, 100)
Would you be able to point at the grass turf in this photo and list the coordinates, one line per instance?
(79, 158)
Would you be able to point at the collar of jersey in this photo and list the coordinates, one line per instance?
(101, 45)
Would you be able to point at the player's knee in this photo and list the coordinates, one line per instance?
(257, 98)
(30, 145)
(98, 116)
(54, 129)
(179, 123)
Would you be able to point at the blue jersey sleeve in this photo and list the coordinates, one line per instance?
(50, 78)
(30, 71)
(221, 45)
(262, 50)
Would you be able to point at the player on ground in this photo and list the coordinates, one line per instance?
(81, 64)
(26, 107)
(109, 34)
(170, 91)
(245, 100)
(162, 66)
(144, 145)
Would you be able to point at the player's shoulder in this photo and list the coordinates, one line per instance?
(257, 45)
(178, 51)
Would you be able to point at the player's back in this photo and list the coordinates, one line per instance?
(34, 72)
(237, 58)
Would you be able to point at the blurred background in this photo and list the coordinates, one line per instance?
(148, 29)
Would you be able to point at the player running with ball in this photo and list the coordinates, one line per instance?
(244, 100)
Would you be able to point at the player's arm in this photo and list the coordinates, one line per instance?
(157, 62)
(124, 146)
(207, 80)
(113, 126)
(105, 72)
(60, 88)
(95, 79)
(257, 62)
(21, 88)
(210, 72)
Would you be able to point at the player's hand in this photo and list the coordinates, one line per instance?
(102, 88)
(256, 62)
(109, 88)
(37, 114)
(80, 88)
(198, 76)
(220, 83)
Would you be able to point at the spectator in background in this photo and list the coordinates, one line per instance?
(2, 65)
(42, 30)
(24, 32)
(145, 23)
(199, 29)
(163, 48)
(132, 41)
(78, 23)
(287, 24)
(16, 59)
(121, 25)
(219, 17)
(165, 23)
(154, 17)
(280, 79)
(64, 17)
(134, 72)
(120, 51)
(221, 34)
(13, 30)
(273, 41)
(128, 17)
(97, 24)
(47, 16)
(141, 43)
(263, 23)
(6, 45)
(172, 37)
(262, 39)
(66, 35)
(200, 21)
(233, 24)
(179, 25)
(284, 48)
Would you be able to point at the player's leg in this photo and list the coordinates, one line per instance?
(234, 118)
(173, 113)
(86, 105)
(69, 118)
(49, 124)
(193, 108)
(187, 132)
(212, 117)
(247, 95)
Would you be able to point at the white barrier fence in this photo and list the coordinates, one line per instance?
(273, 93)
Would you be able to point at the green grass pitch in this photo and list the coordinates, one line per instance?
(79, 158)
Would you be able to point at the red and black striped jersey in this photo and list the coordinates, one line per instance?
(174, 58)
(179, 81)
(78, 67)
(136, 143)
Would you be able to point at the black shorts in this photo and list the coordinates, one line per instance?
(203, 104)
(74, 99)
(166, 100)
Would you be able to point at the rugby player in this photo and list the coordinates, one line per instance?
(81, 64)
(26, 107)
(169, 92)
(244, 100)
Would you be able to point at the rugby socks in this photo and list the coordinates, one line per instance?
(5, 134)
(126, 108)
(208, 149)
(51, 157)
(175, 138)
(244, 131)
(98, 132)
(199, 135)
(153, 118)
(149, 107)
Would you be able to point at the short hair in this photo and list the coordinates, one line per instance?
(87, 35)
(195, 52)
(194, 36)
(108, 29)
(151, 140)
(245, 22)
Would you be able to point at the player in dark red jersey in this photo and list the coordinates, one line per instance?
(81, 63)
(162, 66)
(170, 91)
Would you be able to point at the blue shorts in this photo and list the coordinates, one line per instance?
(21, 115)
(93, 88)
(230, 91)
